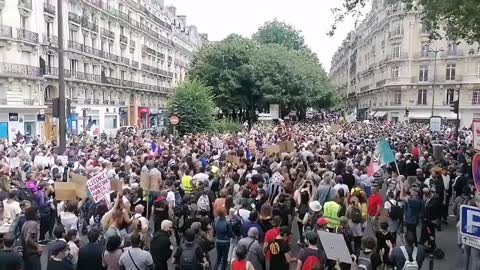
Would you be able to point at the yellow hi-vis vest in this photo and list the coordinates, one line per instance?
(187, 184)
(330, 212)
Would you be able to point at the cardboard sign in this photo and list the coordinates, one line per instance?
(41, 161)
(233, 159)
(80, 182)
(14, 163)
(287, 146)
(65, 191)
(155, 182)
(334, 128)
(150, 182)
(335, 247)
(116, 185)
(99, 186)
(272, 149)
(64, 159)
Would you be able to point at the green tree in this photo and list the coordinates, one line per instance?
(193, 104)
(276, 32)
(453, 19)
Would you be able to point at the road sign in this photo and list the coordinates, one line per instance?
(435, 123)
(470, 225)
(174, 120)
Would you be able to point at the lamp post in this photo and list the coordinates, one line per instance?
(62, 129)
(435, 51)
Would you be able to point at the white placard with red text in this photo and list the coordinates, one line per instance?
(99, 186)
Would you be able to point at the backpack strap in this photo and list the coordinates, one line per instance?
(414, 254)
(248, 248)
(405, 253)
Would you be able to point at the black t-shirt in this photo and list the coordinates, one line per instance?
(58, 265)
(277, 249)
(307, 252)
(10, 260)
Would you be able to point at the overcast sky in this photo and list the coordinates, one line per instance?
(219, 18)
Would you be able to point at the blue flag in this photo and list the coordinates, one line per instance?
(384, 152)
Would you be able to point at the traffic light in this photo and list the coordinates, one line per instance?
(454, 107)
(407, 112)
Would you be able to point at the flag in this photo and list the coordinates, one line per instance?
(372, 168)
(384, 152)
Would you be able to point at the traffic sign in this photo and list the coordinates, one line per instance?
(470, 225)
(174, 120)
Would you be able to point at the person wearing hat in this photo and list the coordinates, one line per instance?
(312, 215)
(311, 250)
(279, 250)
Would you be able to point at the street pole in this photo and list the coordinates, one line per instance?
(434, 80)
(457, 123)
(61, 83)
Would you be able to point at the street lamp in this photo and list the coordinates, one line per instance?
(435, 51)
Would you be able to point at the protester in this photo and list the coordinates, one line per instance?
(57, 260)
(30, 246)
(279, 249)
(90, 255)
(135, 258)
(10, 259)
(112, 254)
(409, 252)
(161, 247)
(255, 254)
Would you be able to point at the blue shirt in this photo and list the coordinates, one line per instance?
(223, 230)
(247, 225)
(413, 208)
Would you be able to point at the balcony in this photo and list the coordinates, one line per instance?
(135, 64)
(123, 39)
(88, 49)
(75, 45)
(28, 102)
(144, 27)
(125, 61)
(51, 71)
(28, 36)
(7, 68)
(5, 31)
(423, 55)
(365, 88)
(88, 101)
(114, 57)
(450, 79)
(452, 53)
(49, 8)
(381, 83)
(106, 102)
(149, 50)
(397, 57)
(395, 34)
(96, 101)
(123, 15)
(50, 40)
(74, 18)
(132, 43)
(134, 22)
(80, 75)
(108, 33)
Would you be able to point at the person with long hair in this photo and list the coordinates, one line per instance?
(265, 217)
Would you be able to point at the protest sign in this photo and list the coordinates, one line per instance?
(155, 182)
(65, 191)
(14, 163)
(233, 159)
(116, 185)
(80, 182)
(145, 180)
(41, 161)
(334, 128)
(99, 186)
(150, 182)
(286, 146)
(272, 149)
(335, 247)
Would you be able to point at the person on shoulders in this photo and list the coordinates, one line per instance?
(136, 258)
(10, 259)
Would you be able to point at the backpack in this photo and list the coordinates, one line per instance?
(356, 215)
(410, 261)
(236, 223)
(302, 211)
(395, 212)
(188, 259)
(310, 262)
(203, 203)
(364, 261)
(26, 194)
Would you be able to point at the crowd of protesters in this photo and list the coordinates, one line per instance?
(245, 209)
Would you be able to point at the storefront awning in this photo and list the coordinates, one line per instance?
(372, 113)
(420, 115)
(380, 114)
(448, 115)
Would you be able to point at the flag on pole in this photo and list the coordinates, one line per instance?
(384, 152)
(372, 168)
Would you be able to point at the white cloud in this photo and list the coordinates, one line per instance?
(219, 18)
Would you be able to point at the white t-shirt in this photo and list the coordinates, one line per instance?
(11, 210)
(171, 198)
(244, 213)
(388, 204)
(339, 186)
(142, 220)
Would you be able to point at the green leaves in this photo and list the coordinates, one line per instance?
(193, 104)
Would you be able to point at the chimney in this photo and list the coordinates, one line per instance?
(183, 19)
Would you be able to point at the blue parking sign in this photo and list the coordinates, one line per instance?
(470, 221)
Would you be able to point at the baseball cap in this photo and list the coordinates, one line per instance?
(322, 221)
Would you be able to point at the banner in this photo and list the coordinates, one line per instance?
(476, 171)
(41, 161)
(99, 186)
(384, 152)
(476, 134)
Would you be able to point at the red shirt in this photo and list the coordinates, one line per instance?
(374, 203)
(269, 237)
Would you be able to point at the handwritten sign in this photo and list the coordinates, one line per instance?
(65, 191)
(80, 182)
(233, 159)
(273, 149)
(99, 186)
(287, 146)
(150, 182)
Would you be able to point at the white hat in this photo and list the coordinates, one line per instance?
(315, 206)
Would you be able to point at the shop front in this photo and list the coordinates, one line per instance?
(123, 116)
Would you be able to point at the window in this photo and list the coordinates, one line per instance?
(422, 97)
(49, 92)
(395, 72)
(478, 70)
(452, 48)
(423, 73)
(424, 28)
(94, 41)
(121, 30)
(397, 98)
(424, 50)
(122, 75)
(49, 27)
(476, 97)
(450, 72)
(396, 50)
(94, 69)
(102, 46)
(85, 68)
(110, 48)
(73, 66)
(397, 27)
(450, 96)
(72, 35)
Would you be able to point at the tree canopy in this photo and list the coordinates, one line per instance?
(274, 67)
(193, 104)
(453, 19)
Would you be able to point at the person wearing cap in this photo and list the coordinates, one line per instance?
(161, 247)
(56, 261)
(312, 215)
(255, 254)
(279, 250)
(311, 250)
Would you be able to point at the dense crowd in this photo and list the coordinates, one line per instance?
(257, 207)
